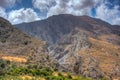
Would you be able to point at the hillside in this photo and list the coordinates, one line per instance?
(23, 57)
(116, 29)
(16, 46)
(81, 44)
(88, 56)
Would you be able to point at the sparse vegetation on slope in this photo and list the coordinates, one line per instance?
(30, 72)
(16, 46)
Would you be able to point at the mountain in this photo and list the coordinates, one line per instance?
(24, 57)
(19, 47)
(80, 44)
(53, 28)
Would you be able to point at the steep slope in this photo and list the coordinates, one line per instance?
(53, 28)
(116, 29)
(17, 46)
(80, 44)
(88, 56)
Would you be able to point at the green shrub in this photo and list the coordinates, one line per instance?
(3, 66)
(104, 79)
(12, 70)
(54, 78)
(69, 76)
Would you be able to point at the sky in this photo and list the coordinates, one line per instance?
(19, 11)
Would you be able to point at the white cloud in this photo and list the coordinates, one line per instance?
(22, 15)
(75, 7)
(110, 15)
(3, 13)
(43, 5)
(116, 21)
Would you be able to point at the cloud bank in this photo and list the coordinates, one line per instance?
(101, 8)
(2, 13)
(110, 15)
(22, 15)
(75, 7)
(17, 16)
(80, 7)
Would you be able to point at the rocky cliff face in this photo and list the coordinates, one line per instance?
(81, 44)
(79, 53)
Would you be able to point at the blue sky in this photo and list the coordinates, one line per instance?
(19, 11)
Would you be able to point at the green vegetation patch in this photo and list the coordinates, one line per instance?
(33, 72)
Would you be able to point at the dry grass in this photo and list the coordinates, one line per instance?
(107, 54)
(55, 74)
(112, 38)
(14, 59)
(64, 74)
(26, 77)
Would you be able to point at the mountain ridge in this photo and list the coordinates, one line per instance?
(53, 28)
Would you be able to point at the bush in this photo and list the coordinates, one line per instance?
(54, 78)
(3, 66)
(31, 71)
(69, 76)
